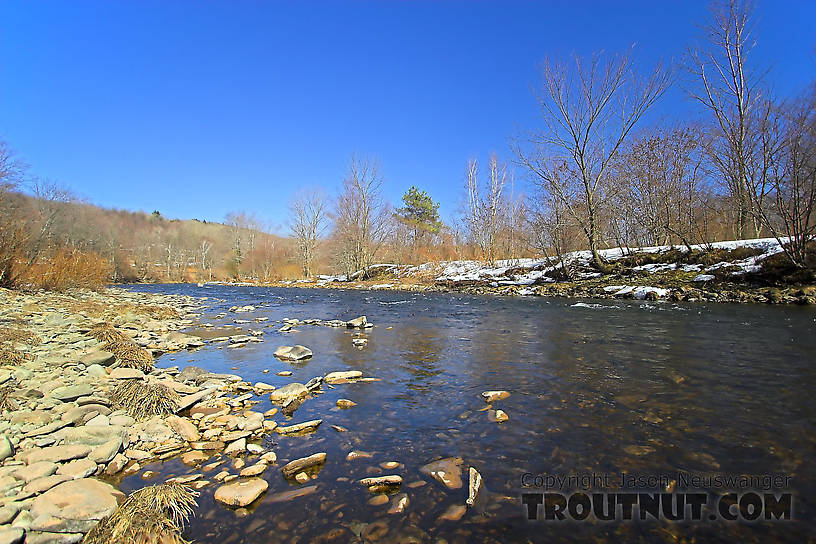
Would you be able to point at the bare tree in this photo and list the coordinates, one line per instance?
(13, 236)
(732, 91)
(589, 106)
(791, 183)
(658, 182)
(363, 217)
(309, 219)
(486, 210)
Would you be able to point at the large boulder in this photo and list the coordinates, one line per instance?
(73, 507)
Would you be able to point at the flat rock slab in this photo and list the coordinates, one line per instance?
(342, 377)
(72, 392)
(188, 401)
(241, 492)
(299, 465)
(95, 435)
(73, 507)
(126, 373)
(55, 454)
(11, 535)
(103, 358)
(306, 426)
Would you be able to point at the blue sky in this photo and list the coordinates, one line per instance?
(201, 108)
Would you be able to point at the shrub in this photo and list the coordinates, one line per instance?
(68, 269)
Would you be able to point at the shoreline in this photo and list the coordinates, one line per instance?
(588, 289)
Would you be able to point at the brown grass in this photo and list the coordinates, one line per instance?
(104, 332)
(130, 355)
(154, 515)
(144, 399)
(10, 356)
(66, 270)
(16, 334)
(6, 402)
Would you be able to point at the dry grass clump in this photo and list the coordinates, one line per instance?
(10, 356)
(14, 335)
(130, 355)
(152, 515)
(6, 402)
(104, 332)
(144, 399)
(158, 312)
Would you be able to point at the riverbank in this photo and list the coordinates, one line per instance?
(741, 271)
(80, 412)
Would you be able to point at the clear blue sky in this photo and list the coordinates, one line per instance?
(200, 108)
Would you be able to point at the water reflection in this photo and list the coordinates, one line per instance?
(653, 388)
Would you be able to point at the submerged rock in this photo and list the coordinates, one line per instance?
(447, 471)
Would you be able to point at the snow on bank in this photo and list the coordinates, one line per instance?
(525, 272)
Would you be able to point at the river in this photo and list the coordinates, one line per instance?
(597, 388)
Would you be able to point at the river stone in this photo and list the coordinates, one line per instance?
(236, 448)
(241, 492)
(34, 471)
(292, 390)
(126, 373)
(96, 371)
(306, 426)
(255, 470)
(73, 507)
(8, 512)
(68, 393)
(41, 485)
(493, 396)
(447, 471)
(6, 448)
(342, 377)
(95, 435)
(184, 428)
(79, 468)
(11, 535)
(357, 323)
(39, 537)
(79, 413)
(102, 358)
(105, 452)
(293, 353)
(55, 454)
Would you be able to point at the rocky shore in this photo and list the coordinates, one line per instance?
(68, 433)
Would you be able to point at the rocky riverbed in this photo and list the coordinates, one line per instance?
(66, 439)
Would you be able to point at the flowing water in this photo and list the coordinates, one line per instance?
(599, 387)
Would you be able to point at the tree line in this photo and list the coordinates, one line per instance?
(599, 178)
